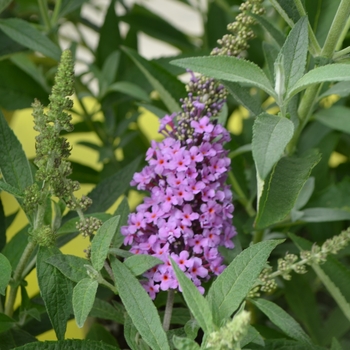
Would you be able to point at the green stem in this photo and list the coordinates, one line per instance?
(56, 12)
(44, 14)
(168, 309)
(337, 27)
(241, 196)
(341, 53)
(17, 276)
(258, 236)
(315, 47)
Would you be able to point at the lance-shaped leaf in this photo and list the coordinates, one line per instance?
(5, 273)
(271, 135)
(140, 263)
(83, 299)
(294, 52)
(282, 319)
(283, 186)
(228, 69)
(14, 164)
(233, 284)
(198, 305)
(139, 307)
(336, 117)
(169, 88)
(102, 241)
(56, 291)
(330, 72)
(25, 34)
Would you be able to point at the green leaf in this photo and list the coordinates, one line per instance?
(71, 266)
(336, 345)
(305, 193)
(195, 301)
(25, 34)
(234, 283)
(330, 72)
(169, 88)
(16, 337)
(111, 188)
(122, 211)
(6, 322)
(243, 96)
(275, 33)
(324, 215)
(10, 189)
(132, 337)
(336, 117)
(103, 309)
(69, 6)
(185, 343)
(341, 89)
(294, 52)
(98, 332)
(14, 165)
(71, 344)
(140, 263)
(83, 299)
(228, 69)
(304, 305)
(56, 291)
(139, 307)
(283, 186)
(4, 4)
(5, 273)
(102, 241)
(130, 89)
(4, 223)
(70, 226)
(271, 135)
(281, 319)
(143, 20)
(252, 336)
(270, 54)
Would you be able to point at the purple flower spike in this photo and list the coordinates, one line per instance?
(188, 214)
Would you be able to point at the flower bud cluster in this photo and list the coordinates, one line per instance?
(88, 226)
(236, 44)
(291, 262)
(231, 334)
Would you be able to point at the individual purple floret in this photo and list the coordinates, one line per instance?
(188, 214)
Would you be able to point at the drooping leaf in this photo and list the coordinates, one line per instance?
(271, 135)
(102, 241)
(169, 88)
(123, 212)
(228, 69)
(275, 33)
(330, 72)
(282, 319)
(155, 26)
(26, 35)
(283, 186)
(233, 284)
(111, 188)
(294, 52)
(71, 266)
(14, 165)
(139, 307)
(83, 299)
(5, 273)
(336, 117)
(243, 96)
(14, 338)
(103, 309)
(74, 344)
(198, 305)
(56, 291)
(140, 263)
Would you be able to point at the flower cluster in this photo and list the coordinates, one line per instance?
(189, 212)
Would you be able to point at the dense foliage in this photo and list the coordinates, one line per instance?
(240, 240)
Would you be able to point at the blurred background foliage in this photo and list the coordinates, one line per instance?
(120, 95)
